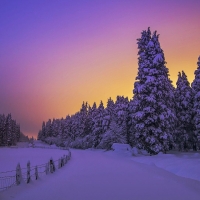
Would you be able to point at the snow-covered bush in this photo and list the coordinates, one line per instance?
(54, 140)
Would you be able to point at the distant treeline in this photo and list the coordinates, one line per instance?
(9, 131)
(158, 118)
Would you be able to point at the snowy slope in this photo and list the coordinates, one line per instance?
(185, 164)
(98, 175)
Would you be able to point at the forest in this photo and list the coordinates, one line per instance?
(158, 118)
(9, 131)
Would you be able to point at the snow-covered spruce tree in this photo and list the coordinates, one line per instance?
(81, 117)
(74, 125)
(60, 129)
(67, 130)
(55, 124)
(131, 122)
(48, 129)
(3, 136)
(88, 122)
(134, 103)
(53, 132)
(80, 121)
(154, 117)
(9, 129)
(184, 112)
(1, 132)
(98, 128)
(17, 132)
(110, 105)
(116, 133)
(196, 119)
(121, 108)
(107, 114)
(39, 137)
(13, 128)
(43, 134)
(88, 141)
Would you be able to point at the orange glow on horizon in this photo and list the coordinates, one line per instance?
(68, 52)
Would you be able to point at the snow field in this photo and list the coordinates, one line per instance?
(97, 175)
(185, 164)
(10, 157)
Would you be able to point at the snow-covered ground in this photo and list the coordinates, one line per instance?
(185, 164)
(107, 175)
(10, 157)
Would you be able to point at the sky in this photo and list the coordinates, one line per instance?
(56, 54)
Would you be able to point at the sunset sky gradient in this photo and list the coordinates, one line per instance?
(56, 54)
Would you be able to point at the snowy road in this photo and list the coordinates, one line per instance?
(98, 175)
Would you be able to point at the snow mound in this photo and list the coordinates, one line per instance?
(22, 144)
(138, 152)
(135, 151)
(144, 152)
(121, 147)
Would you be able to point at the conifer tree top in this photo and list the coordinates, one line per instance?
(198, 63)
(196, 82)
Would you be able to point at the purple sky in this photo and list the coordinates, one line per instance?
(56, 54)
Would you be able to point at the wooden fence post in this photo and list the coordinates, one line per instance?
(52, 166)
(62, 161)
(28, 172)
(70, 154)
(59, 163)
(47, 168)
(66, 158)
(18, 174)
(36, 173)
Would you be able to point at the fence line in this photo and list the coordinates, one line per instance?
(31, 173)
(35, 146)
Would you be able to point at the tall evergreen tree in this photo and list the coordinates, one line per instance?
(48, 129)
(117, 130)
(98, 127)
(13, 128)
(39, 136)
(9, 129)
(115, 134)
(60, 129)
(184, 110)
(55, 124)
(43, 135)
(108, 114)
(90, 124)
(3, 136)
(67, 128)
(134, 103)
(82, 119)
(18, 132)
(196, 92)
(154, 116)
(121, 108)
